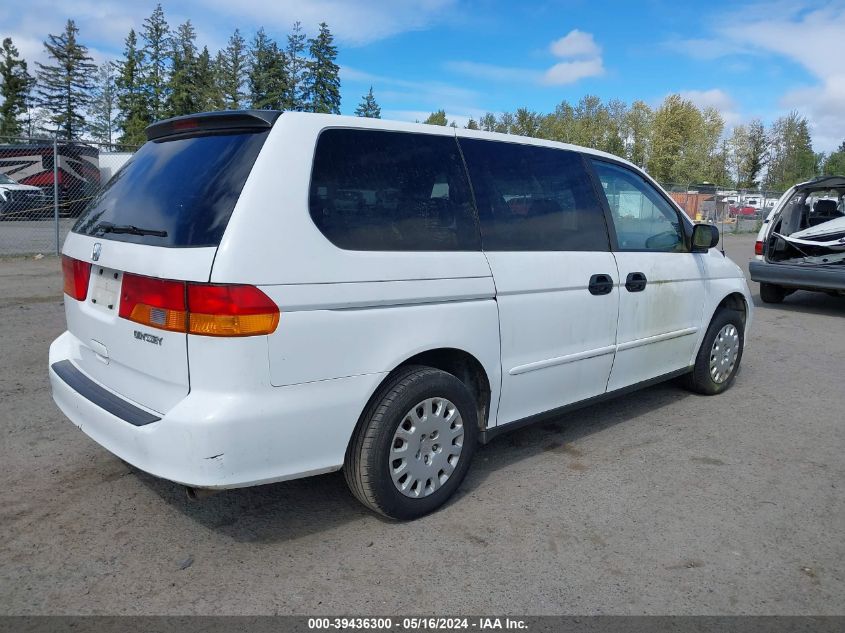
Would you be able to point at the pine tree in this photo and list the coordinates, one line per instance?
(103, 110)
(368, 107)
(437, 118)
(321, 80)
(156, 36)
(296, 65)
(267, 77)
(232, 67)
(64, 88)
(488, 122)
(183, 92)
(15, 84)
(131, 94)
(472, 124)
(208, 95)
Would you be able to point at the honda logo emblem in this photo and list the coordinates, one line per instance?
(96, 254)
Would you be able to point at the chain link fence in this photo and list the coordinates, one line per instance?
(45, 184)
(734, 210)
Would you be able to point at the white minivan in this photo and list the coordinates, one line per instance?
(259, 296)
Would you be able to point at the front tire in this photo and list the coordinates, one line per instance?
(718, 359)
(771, 293)
(414, 443)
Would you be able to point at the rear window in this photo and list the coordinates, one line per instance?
(392, 191)
(178, 192)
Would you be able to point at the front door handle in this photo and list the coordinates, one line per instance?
(635, 282)
(600, 285)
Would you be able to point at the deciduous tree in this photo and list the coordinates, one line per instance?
(792, 159)
(834, 164)
(103, 110)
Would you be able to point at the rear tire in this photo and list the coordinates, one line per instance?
(770, 293)
(718, 359)
(433, 448)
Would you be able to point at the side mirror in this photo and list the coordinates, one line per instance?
(704, 237)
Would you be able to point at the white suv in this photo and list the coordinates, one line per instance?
(260, 296)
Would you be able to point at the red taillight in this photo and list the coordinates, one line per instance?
(76, 274)
(758, 248)
(155, 302)
(206, 309)
(217, 310)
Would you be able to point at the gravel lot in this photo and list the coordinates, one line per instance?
(661, 502)
(31, 236)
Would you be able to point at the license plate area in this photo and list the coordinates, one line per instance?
(105, 288)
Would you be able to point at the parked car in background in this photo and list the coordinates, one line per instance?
(743, 211)
(19, 201)
(260, 296)
(801, 245)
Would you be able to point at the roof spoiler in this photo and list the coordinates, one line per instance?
(208, 123)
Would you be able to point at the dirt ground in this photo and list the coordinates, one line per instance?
(662, 502)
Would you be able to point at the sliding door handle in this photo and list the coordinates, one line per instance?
(635, 282)
(600, 284)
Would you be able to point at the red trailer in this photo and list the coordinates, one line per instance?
(78, 171)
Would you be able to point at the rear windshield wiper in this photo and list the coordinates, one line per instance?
(109, 227)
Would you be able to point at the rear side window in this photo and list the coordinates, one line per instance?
(177, 192)
(534, 198)
(392, 191)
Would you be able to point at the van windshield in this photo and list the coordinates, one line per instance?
(174, 193)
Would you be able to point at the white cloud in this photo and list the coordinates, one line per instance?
(569, 72)
(581, 59)
(706, 49)
(424, 93)
(407, 96)
(812, 38)
(715, 98)
(491, 72)
(104, 24)
(575, 44)
(801, 32)
(826, 104)
(353, 22)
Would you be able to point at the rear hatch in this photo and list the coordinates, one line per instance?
(154, 227)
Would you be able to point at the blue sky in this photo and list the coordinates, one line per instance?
(747, 59)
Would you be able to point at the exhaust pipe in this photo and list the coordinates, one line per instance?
(198, 494)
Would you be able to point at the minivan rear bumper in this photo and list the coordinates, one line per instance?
(214, 439)
(792, 276)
